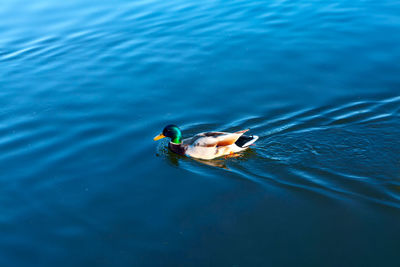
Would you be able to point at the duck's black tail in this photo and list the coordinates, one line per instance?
(245, 141)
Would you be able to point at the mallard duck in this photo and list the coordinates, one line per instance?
(206, 145)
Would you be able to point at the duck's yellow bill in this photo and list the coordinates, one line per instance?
(158, 137)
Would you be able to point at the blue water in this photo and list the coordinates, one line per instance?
(86, 85)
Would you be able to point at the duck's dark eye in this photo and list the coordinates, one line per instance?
(166, 131)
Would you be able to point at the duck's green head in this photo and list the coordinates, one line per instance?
(171, 131)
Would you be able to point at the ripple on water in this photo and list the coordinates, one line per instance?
(317, 149)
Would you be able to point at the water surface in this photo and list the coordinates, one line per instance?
(85, 86)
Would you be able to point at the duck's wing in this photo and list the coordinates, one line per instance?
(213, 139)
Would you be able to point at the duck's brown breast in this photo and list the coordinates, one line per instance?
(177, 148)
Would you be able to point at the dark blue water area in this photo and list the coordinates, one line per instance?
(86, 85)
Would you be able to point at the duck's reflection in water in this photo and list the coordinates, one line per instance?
(221, 162)
(175, 159)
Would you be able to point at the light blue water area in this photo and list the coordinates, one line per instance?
(86, 85)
